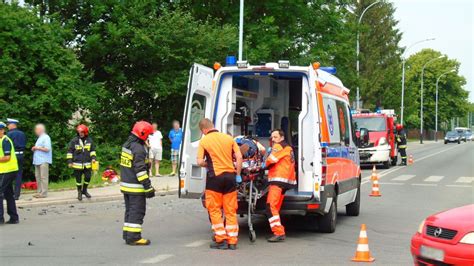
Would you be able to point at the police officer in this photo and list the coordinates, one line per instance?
(8, 172)
(135, 184)
(19, 142)
(80, 156)
(281, 177)
(402, 143)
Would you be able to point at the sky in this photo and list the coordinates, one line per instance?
(449, 21)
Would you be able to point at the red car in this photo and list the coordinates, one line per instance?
(445, 238)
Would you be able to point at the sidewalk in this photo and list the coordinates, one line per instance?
(163, 185)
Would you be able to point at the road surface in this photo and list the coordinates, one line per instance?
(441, 178)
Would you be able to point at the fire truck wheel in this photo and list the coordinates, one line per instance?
(386, 164)
(394, 161)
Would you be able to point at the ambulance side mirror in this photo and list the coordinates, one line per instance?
(363, 136)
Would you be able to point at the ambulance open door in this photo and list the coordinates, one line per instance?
(197, 106)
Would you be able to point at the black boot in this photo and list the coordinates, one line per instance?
(79, 193)
(84, 191)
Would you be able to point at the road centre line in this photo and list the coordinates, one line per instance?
(388, 183)
(433, 178)
(424, 185)
(466, 186)
(465, 179)
(403, 177)
(157, 259)
(388, 171)
(196, 244)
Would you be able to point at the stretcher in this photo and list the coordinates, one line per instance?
(252, 188)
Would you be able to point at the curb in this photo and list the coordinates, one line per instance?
(34, 204)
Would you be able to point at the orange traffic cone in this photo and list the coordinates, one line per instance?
(362, 252)
(410, 159)
(375, 184)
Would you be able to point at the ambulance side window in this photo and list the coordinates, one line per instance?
(330, 108)
(344, 126)
(198, 108)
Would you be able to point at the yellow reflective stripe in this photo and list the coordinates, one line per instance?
(141, 178)
(78, 184)
(131, 229)
(402, 146)
(69, 156)
(93, 153)
(127, 155)
(148, 190)
(133, 190)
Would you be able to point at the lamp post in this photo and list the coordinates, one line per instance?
(402, 105)
(358, 52)
(421, 92)
(241, 29)
(436, 105)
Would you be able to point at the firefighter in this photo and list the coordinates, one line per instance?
(216, 152)
(402, 143)
(135, 183)
(8, 173)
(281, 177)
(80, 156)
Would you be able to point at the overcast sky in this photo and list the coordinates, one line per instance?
(449, 21)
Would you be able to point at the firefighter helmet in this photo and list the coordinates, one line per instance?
(83, 128)
(142, 130)
(399, 127)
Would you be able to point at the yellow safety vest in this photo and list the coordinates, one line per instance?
(10, 165)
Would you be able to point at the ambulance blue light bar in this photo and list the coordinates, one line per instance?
(330, 70)
(230, 60)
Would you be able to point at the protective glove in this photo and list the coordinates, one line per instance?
(238, 179)
(150, 194)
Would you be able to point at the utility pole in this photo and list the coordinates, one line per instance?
(241, 29)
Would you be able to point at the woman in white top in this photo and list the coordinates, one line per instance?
(156, 149)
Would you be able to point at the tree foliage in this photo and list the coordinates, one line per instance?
(40, 79)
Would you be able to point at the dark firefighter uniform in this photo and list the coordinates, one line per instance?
(402, 143)
(19, 141)
(135, 183)
(281, 177)
(80, 154)
(221, 194)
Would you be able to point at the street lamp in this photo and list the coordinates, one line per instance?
(358, 51)
(402, 106)
(436, 105)
(421, 92)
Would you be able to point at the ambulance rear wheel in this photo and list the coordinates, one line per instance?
(252, 236)
(327, 223)
(353, 209)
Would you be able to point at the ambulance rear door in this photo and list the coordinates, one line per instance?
(198, 105)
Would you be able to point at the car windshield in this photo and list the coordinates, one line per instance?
(371, 123)
(452, 134)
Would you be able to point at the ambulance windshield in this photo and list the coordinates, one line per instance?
(371, 123)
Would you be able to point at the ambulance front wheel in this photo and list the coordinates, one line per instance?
(252, 236)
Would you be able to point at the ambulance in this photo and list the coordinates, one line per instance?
(308, 103)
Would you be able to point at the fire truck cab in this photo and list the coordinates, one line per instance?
(378, 130)
(308, 103)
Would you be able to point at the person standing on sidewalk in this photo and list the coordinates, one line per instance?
(136, 184)
(80, 156)
(19, 141)
(8, 172)
(156, 149)
(176, 137)
(216, 152)
(42, 158)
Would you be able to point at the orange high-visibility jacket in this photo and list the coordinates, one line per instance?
(281, 164)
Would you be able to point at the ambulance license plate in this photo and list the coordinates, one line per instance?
(432, 253)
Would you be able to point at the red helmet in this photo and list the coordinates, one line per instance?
(399, 127)
(83, 128)
(142, 129)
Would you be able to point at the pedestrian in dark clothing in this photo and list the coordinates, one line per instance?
(8, 171)
(402, 143)
(18, 138)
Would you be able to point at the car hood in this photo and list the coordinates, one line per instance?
(460, 219)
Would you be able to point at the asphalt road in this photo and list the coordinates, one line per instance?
(441, 178)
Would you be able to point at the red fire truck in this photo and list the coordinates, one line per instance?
(376, 132)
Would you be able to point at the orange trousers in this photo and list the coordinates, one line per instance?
(274, 201)
(215, 202)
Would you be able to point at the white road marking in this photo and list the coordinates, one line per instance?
(465, 179)
(196, 244)
(157, 259)
(466, 186)
(389, 171)
(434, 178)
(388, 183)
(403, 178)
(425, 185)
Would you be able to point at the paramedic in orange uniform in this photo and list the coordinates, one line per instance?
(217, 152)
(281, 177)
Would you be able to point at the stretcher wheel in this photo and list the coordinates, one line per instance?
(252, 236)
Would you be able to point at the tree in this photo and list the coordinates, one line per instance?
(380, 55)
(41, 81)
(452, 100)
